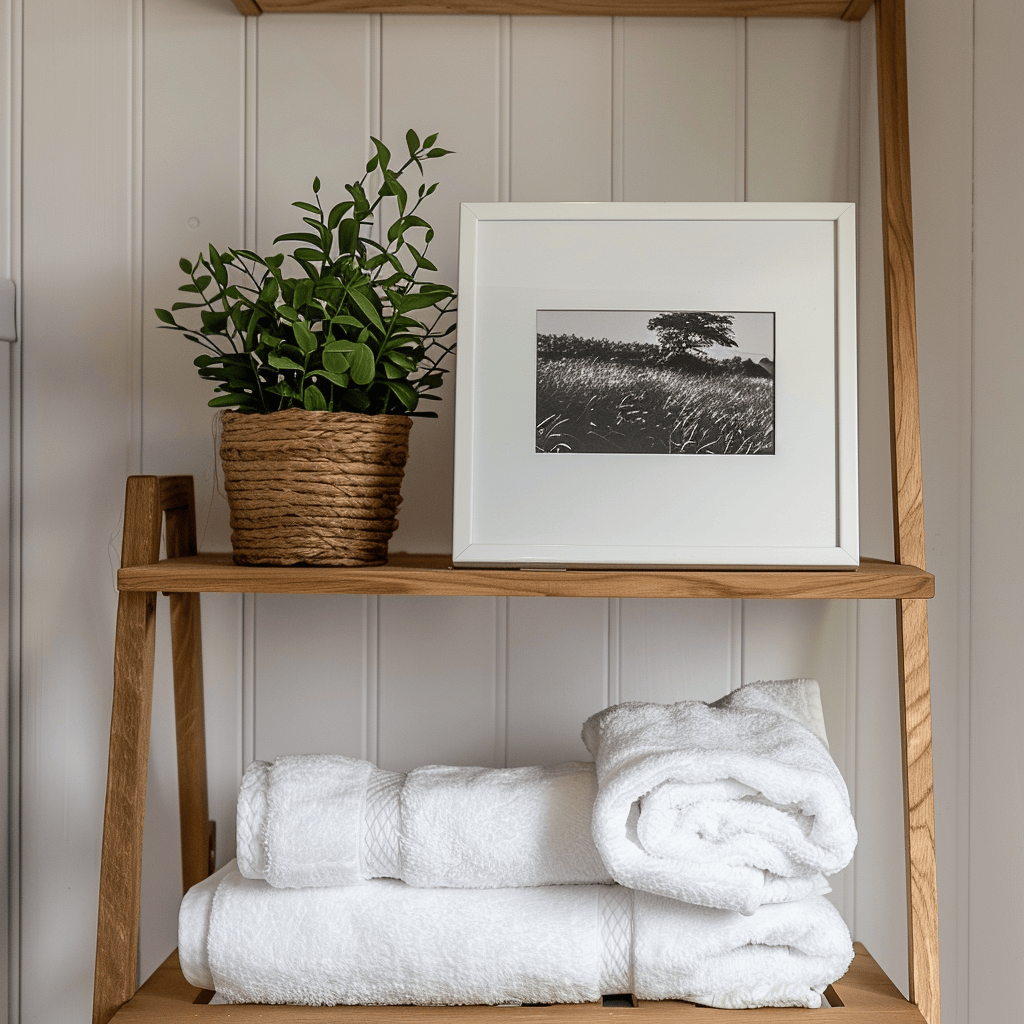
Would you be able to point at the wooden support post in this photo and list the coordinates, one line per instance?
(908, 506)
(117, 935)
(177, 499)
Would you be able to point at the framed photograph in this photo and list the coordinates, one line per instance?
(656, 384)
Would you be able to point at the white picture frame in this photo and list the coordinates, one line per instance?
(516, 506)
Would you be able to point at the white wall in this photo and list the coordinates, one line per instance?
(153, 126)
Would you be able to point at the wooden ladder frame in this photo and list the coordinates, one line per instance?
(149, 500)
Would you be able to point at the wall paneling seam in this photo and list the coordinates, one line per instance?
(740, 186)
(136, 227)
(13, 30)
(250, 225)
(504, 155)
(618, 131)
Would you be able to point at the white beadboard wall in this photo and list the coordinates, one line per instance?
(150, 127)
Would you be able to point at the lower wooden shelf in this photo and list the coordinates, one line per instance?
(866, 994)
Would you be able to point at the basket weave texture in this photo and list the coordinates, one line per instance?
(320, 488)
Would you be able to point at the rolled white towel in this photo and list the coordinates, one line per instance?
(732, 805)
(389, 943)
(324, 819)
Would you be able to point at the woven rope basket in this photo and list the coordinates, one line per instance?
(320, 488)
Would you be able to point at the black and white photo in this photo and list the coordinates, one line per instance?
(655, 382)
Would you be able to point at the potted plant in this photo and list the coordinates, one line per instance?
(323, 369)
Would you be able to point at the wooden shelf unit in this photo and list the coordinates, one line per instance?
(866, 994)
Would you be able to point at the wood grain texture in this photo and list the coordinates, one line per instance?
(867, 995)
(637, 8)
(908, 503)
(433, 574)
(898, 256)
(248, 7)
(117, 933)
(919, 807)
(177, 499)
(857, 10)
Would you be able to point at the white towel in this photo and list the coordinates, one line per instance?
(731, 805)
(324, 819)
(389, 943)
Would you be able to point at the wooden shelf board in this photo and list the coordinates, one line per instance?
(634, 8)
(867, 996)
(434, 575)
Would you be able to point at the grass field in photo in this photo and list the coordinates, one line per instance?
(586, 404)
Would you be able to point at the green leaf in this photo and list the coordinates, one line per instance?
(186, 267)
(286, 312)
(222, 400)
(414, 300)
(337, 212)
(335, 361)
(340, 379)
(298, 236)
(383, 153)
(303, 293)
(361, 365)
(310, 254)
(429, 140)
(344, 320)
(269, 291)
(279, 362)
(412, 140)
(393, 372)
(434, 153)
(316, 185)
(308, 207)
(402, 359)
(219, 273)
(371, 314)
(164, 315)
(405, 394)
(304, 337)
(313, 399)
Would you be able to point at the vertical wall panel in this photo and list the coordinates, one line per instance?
(682, 137)
(315, 97)
(436, 689)
(677, 650)
(442, 75)
(800, 103)
(799, 81)
(557, 676)
(682, 95)
(561, 109)
(314, 100)
(436, 682)
(77, 337)
(997, 495)
(193, 102)
(810, 639)
(310, 675)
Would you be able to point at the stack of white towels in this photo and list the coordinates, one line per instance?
(686, 862)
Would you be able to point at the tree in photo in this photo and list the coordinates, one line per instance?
(685, 330)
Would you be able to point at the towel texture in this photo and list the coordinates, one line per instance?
(731, 805)
(389, 943)
(321, 820)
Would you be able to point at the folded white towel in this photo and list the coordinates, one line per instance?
(731, 805)
(323, 819)
(390, 943)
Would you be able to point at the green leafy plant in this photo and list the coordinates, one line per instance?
(357, 332)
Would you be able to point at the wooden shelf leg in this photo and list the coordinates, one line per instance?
(919, 807)
(197, 834)
(117, 934)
